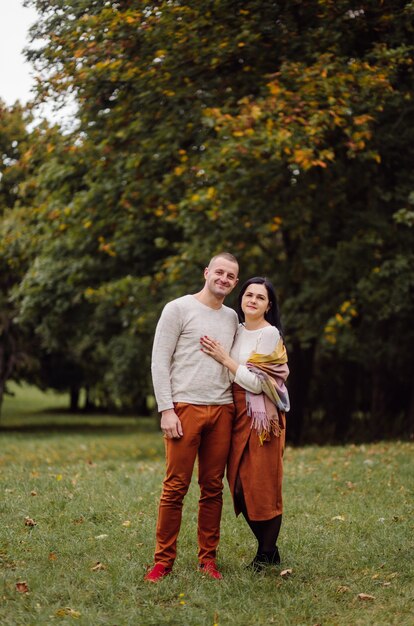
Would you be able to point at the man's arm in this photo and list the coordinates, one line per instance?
(171, 424)
(166, 336)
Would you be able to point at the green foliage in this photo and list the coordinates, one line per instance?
(280, 131)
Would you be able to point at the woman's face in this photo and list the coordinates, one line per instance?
(255, 302)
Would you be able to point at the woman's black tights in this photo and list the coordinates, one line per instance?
(266, 531)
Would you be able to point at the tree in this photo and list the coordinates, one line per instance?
(282, 131)
(22, 152)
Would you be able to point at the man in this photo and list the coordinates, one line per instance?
(193, 394)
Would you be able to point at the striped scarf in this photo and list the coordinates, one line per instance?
(265, 408)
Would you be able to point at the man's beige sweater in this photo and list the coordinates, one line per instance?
(181, 372)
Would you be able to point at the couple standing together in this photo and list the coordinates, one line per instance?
(219, 386)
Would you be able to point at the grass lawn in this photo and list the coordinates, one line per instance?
(91, 487)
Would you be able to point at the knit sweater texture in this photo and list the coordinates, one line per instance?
(181, 372)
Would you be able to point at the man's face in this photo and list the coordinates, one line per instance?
(221, 277)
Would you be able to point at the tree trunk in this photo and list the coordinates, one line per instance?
(378, 403)
(301, 367)
(141, 407)
(89, 405)
(7, 356)
(74, 399)
(410, 414)
(345, 401)
(2, 386)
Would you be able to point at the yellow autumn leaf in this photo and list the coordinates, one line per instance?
(67, 611)
(274, 89)
(211, 192)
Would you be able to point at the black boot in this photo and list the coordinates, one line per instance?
(264, 559)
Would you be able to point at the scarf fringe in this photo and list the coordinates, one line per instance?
(263, 425)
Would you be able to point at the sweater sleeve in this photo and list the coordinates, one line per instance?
(165, 340)
(266, 344)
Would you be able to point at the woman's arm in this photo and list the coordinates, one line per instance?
(214, 349)
(242, 375)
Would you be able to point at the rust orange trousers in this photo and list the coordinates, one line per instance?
(207, 434)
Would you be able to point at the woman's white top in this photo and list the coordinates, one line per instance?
(263, 341)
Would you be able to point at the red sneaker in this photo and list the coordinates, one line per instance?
(158, 571)
(209, 568)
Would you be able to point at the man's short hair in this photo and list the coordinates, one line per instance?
(224, 255)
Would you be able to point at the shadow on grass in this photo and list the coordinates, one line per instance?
(62, 421)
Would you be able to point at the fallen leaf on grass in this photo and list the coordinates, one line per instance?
(365, 596)
(98, 567)
(52, 556)
(339, 518)
(67, 611)
(33, 493)
(28, 521)
(285, 573)
(127, 523)
(22, 587)
(342, 589)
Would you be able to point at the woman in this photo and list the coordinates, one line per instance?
(258, 367)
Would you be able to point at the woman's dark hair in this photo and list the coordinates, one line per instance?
(273, 315)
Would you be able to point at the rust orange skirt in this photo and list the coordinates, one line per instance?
(260, 468)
